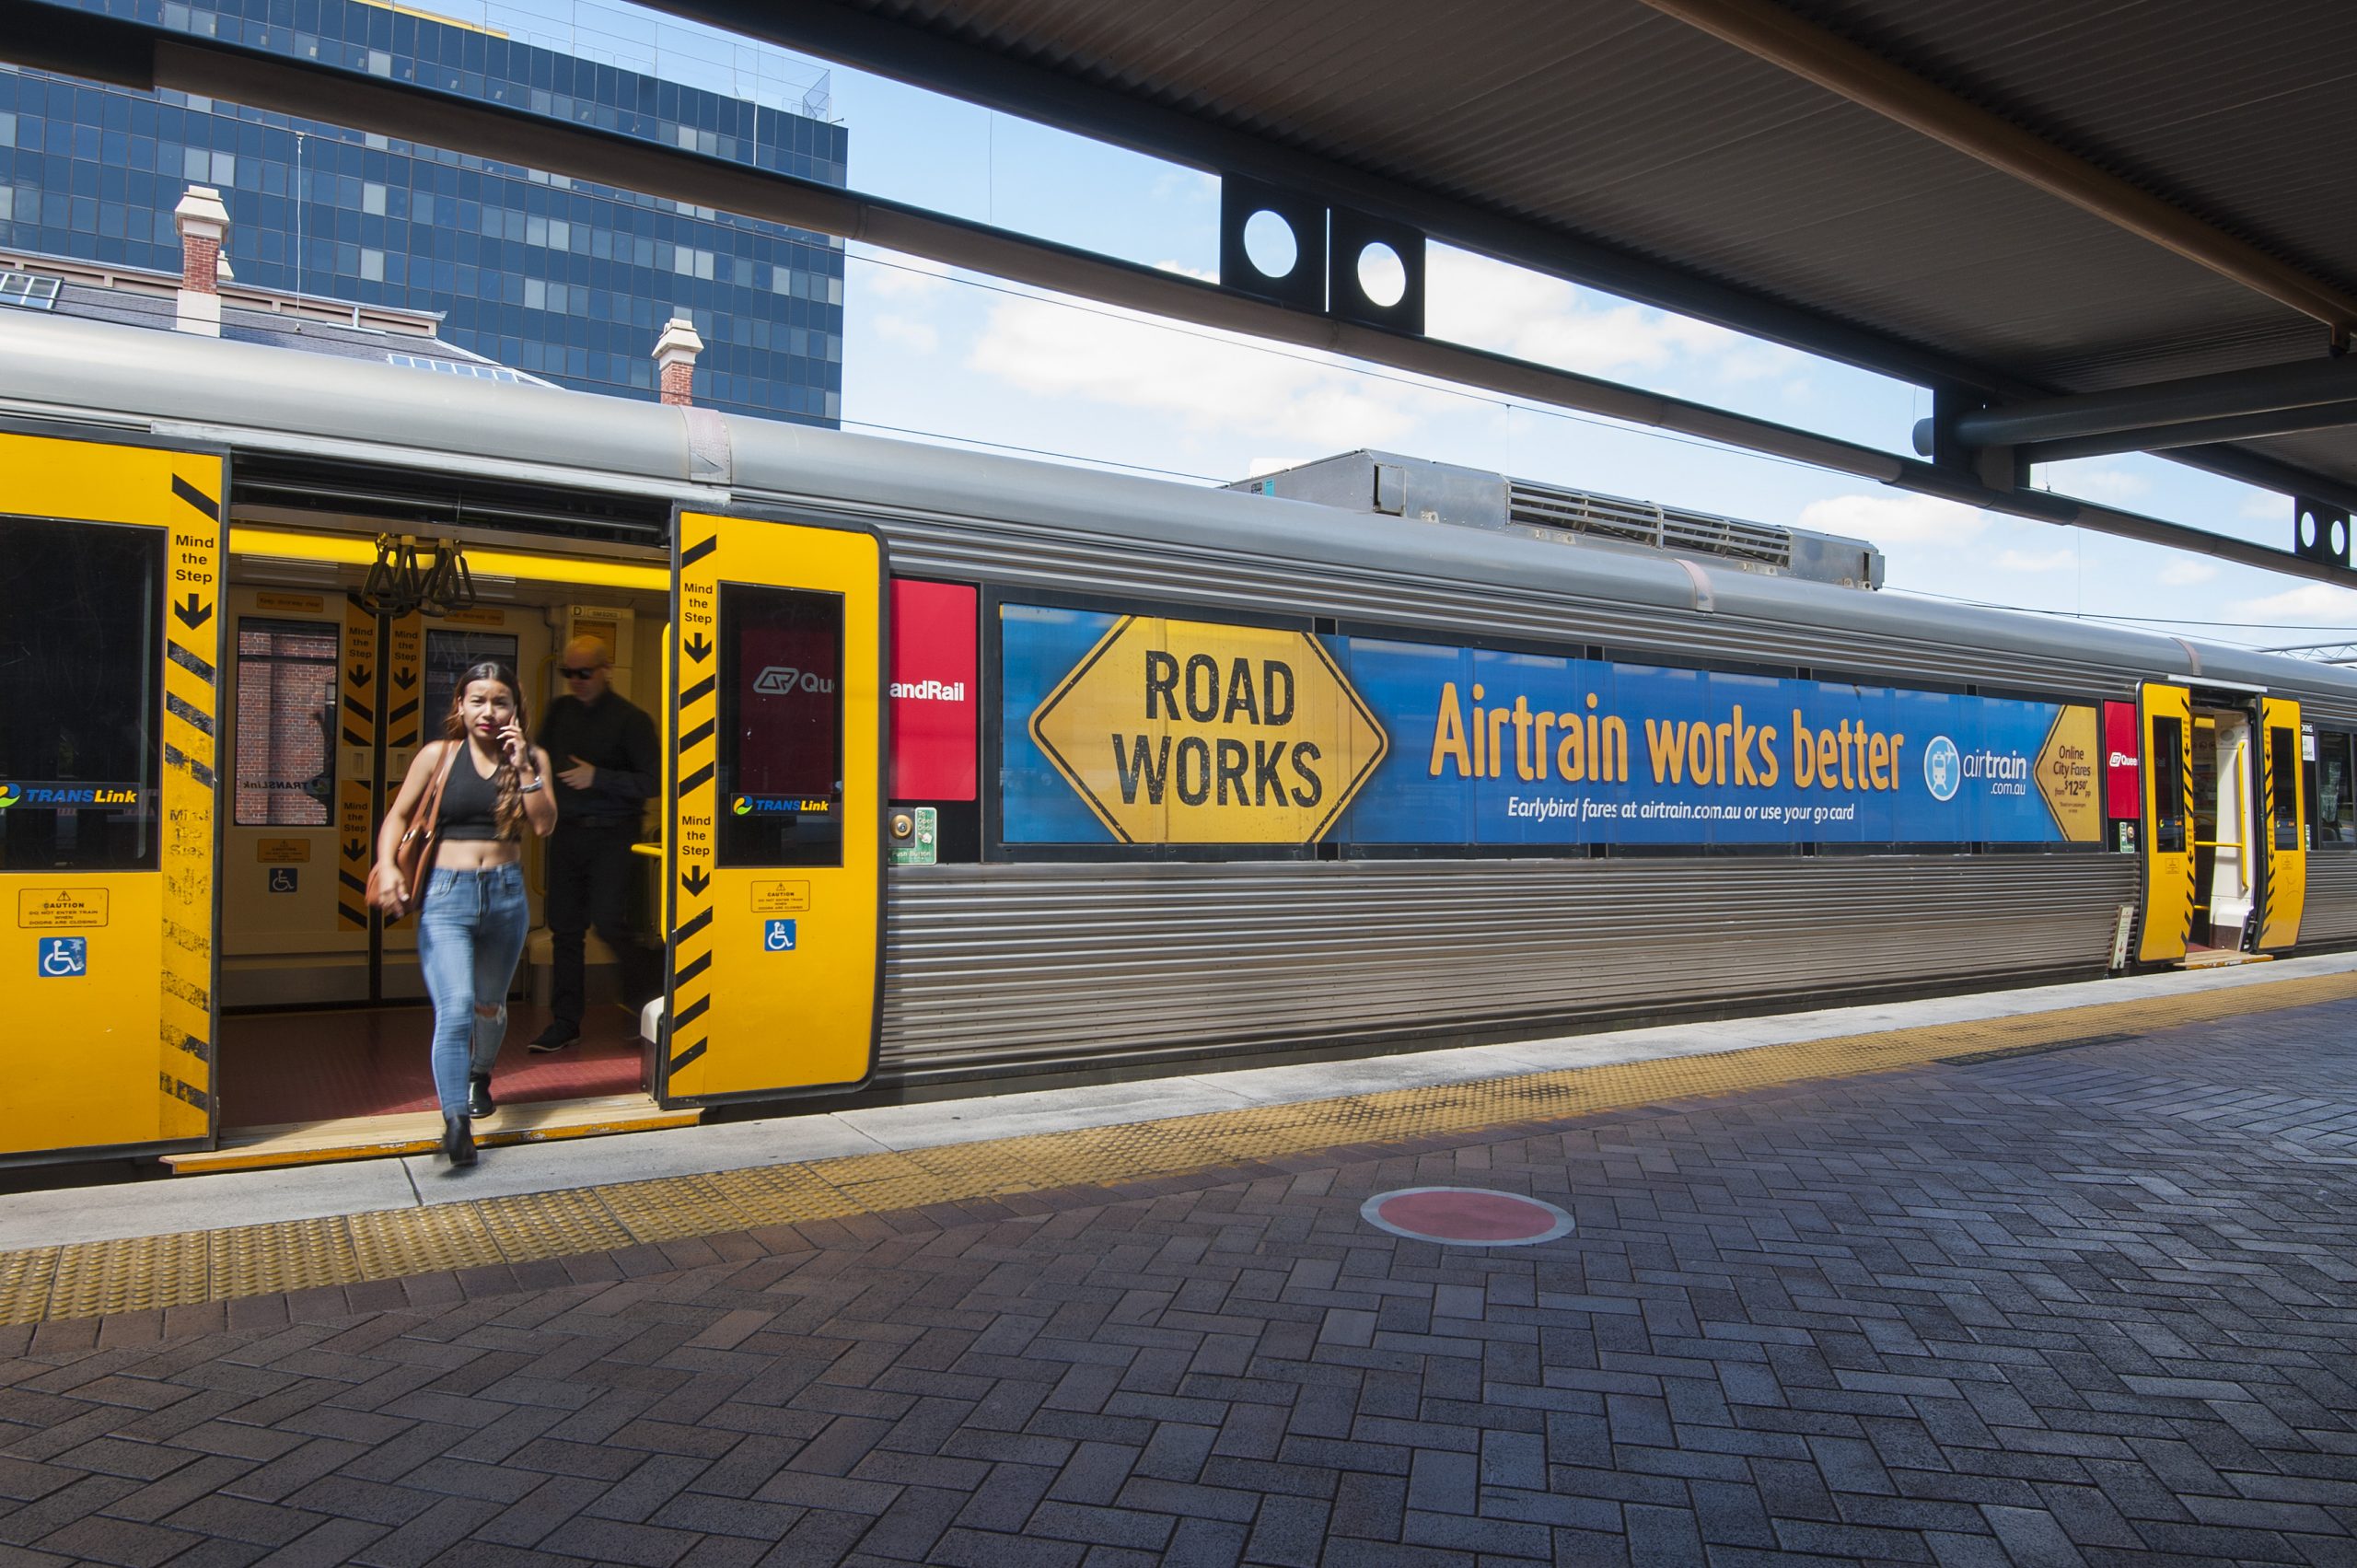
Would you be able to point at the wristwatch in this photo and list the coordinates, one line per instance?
(536, 783)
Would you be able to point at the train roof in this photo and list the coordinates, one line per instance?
(258, 399)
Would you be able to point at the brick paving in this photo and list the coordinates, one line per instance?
(2097, 1305)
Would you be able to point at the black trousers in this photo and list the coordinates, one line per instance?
(590, 883)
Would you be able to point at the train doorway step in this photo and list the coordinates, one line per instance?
(419, 1133)
(2199, 958)
(357, 1083)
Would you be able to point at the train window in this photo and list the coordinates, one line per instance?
(80, 753)
(2332, 810)
(451, 653)
(2283, 770)
(2168, 785)
(286, 704)
(779, 767)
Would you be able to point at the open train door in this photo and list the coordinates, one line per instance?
(2165, 713)
(775, 877)
(2283, 881)
(109, 661)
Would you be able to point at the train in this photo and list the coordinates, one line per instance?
(981, 768)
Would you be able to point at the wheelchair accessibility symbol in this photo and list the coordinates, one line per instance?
(777, 935)
(65, 958)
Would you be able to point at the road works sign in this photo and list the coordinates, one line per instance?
(1191, 732)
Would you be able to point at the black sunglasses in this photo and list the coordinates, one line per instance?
(570, 673)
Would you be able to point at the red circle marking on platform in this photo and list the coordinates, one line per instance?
(1466, 1217)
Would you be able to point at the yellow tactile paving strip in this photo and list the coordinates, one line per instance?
(92, 1279)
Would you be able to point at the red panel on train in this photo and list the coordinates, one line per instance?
(2122, 779)
(934, 712)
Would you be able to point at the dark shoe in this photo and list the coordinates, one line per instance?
(479, 1100)
(457, 1141)
(556, 1036)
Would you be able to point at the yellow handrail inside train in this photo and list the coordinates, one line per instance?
(354, 550)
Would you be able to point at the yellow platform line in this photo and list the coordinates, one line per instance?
(95, 1278)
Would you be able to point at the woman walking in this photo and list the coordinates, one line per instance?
(469, 799)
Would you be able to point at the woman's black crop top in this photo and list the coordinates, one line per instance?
(470, 801)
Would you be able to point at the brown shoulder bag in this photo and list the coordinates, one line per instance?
(413, 856)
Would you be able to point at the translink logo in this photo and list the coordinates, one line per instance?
(66, 794)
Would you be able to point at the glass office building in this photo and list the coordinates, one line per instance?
(569, 280)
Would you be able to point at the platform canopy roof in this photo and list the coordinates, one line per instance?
(2007, 200)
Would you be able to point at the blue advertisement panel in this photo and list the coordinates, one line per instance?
(1146, 731)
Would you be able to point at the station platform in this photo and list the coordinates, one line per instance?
(2064, 1274)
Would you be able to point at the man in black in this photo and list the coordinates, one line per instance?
(607, 765)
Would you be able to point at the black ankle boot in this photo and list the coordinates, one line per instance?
(479, 1100)
(458, 1140)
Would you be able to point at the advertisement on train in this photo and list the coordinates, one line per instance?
(1156, 730)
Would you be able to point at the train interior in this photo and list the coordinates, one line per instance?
(325, 1029)
(2225, 864)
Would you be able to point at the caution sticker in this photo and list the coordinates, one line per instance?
(59, 909)
(283, 851)
(780, 897)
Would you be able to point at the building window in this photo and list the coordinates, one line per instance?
(287, 706)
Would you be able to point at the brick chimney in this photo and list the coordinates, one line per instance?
(203, 225)
(675, 361)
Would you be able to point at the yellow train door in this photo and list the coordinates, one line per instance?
(775, 873)
(2165, 715)
(2284, 831)
(110, 654)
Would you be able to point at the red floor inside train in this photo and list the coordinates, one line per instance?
(278, 1068)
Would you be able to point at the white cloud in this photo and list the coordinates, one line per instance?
(1488, 305)
(908, 333)
(1210, 381)
(2092, 481)
(2050, 561)
(2267, 507)
(1894, 518)
(1190, 185)
(1274, 465)
(2313, 603)
(892, 275)
(1184, 270)
(2184, 574)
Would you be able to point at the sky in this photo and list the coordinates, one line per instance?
(938, 354)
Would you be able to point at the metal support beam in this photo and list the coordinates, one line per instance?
(138, 56)
(2294, 390)
(2165, 438)
(1771, 33)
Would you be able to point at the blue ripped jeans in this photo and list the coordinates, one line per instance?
(470, 931)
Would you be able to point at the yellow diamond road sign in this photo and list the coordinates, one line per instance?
(1187, 732)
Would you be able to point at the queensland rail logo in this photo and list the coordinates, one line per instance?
(782, 679)
(9, 796)
(1942, 769)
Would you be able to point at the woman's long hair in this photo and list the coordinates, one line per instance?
(509, 813)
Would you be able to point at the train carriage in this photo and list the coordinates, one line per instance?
(979, 767)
